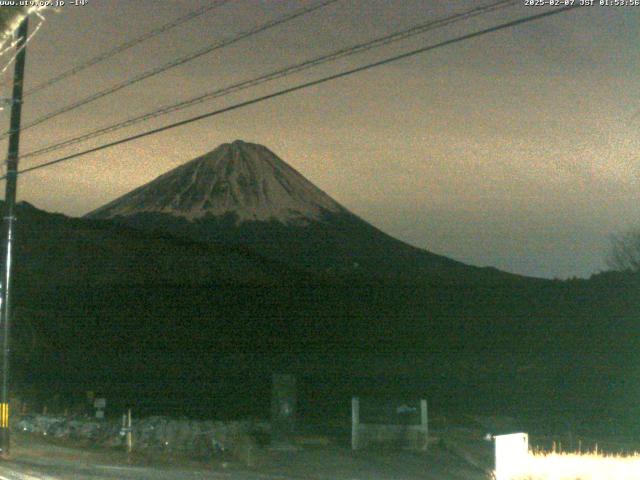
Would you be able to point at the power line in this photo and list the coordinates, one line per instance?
(178, 62)
(126, 46)
(286, 91)
(341, 53)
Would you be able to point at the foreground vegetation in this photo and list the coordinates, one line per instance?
(581, 466)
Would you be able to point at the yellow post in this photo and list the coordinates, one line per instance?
(129, 433)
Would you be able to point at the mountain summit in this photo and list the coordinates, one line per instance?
(243, 195)
(242, 179)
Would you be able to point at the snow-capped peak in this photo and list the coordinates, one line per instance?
(239, 178)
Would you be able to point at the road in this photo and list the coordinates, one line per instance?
(38, 459)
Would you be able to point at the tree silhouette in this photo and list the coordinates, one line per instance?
(625, 251)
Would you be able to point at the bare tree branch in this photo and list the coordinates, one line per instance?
(625, 251)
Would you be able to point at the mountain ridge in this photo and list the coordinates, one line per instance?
(244, 194)
(54, 249)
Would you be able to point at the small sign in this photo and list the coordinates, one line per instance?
(100, 403)
(403, 409)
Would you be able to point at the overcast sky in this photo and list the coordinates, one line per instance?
(517, 150)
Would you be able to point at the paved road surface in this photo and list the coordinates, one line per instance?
(34, 459)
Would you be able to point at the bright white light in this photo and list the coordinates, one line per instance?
(8, 40)
(512, 454)
(515, 462)
(587, 466)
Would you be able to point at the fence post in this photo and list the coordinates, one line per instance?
(424, 422)
(355, 423)
(283, 410)
(129, 433)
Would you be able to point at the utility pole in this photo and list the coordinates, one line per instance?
(9, 224)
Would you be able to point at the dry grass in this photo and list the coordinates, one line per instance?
(585, 466)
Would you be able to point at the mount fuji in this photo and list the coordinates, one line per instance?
(244, 180)
(244, 194)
